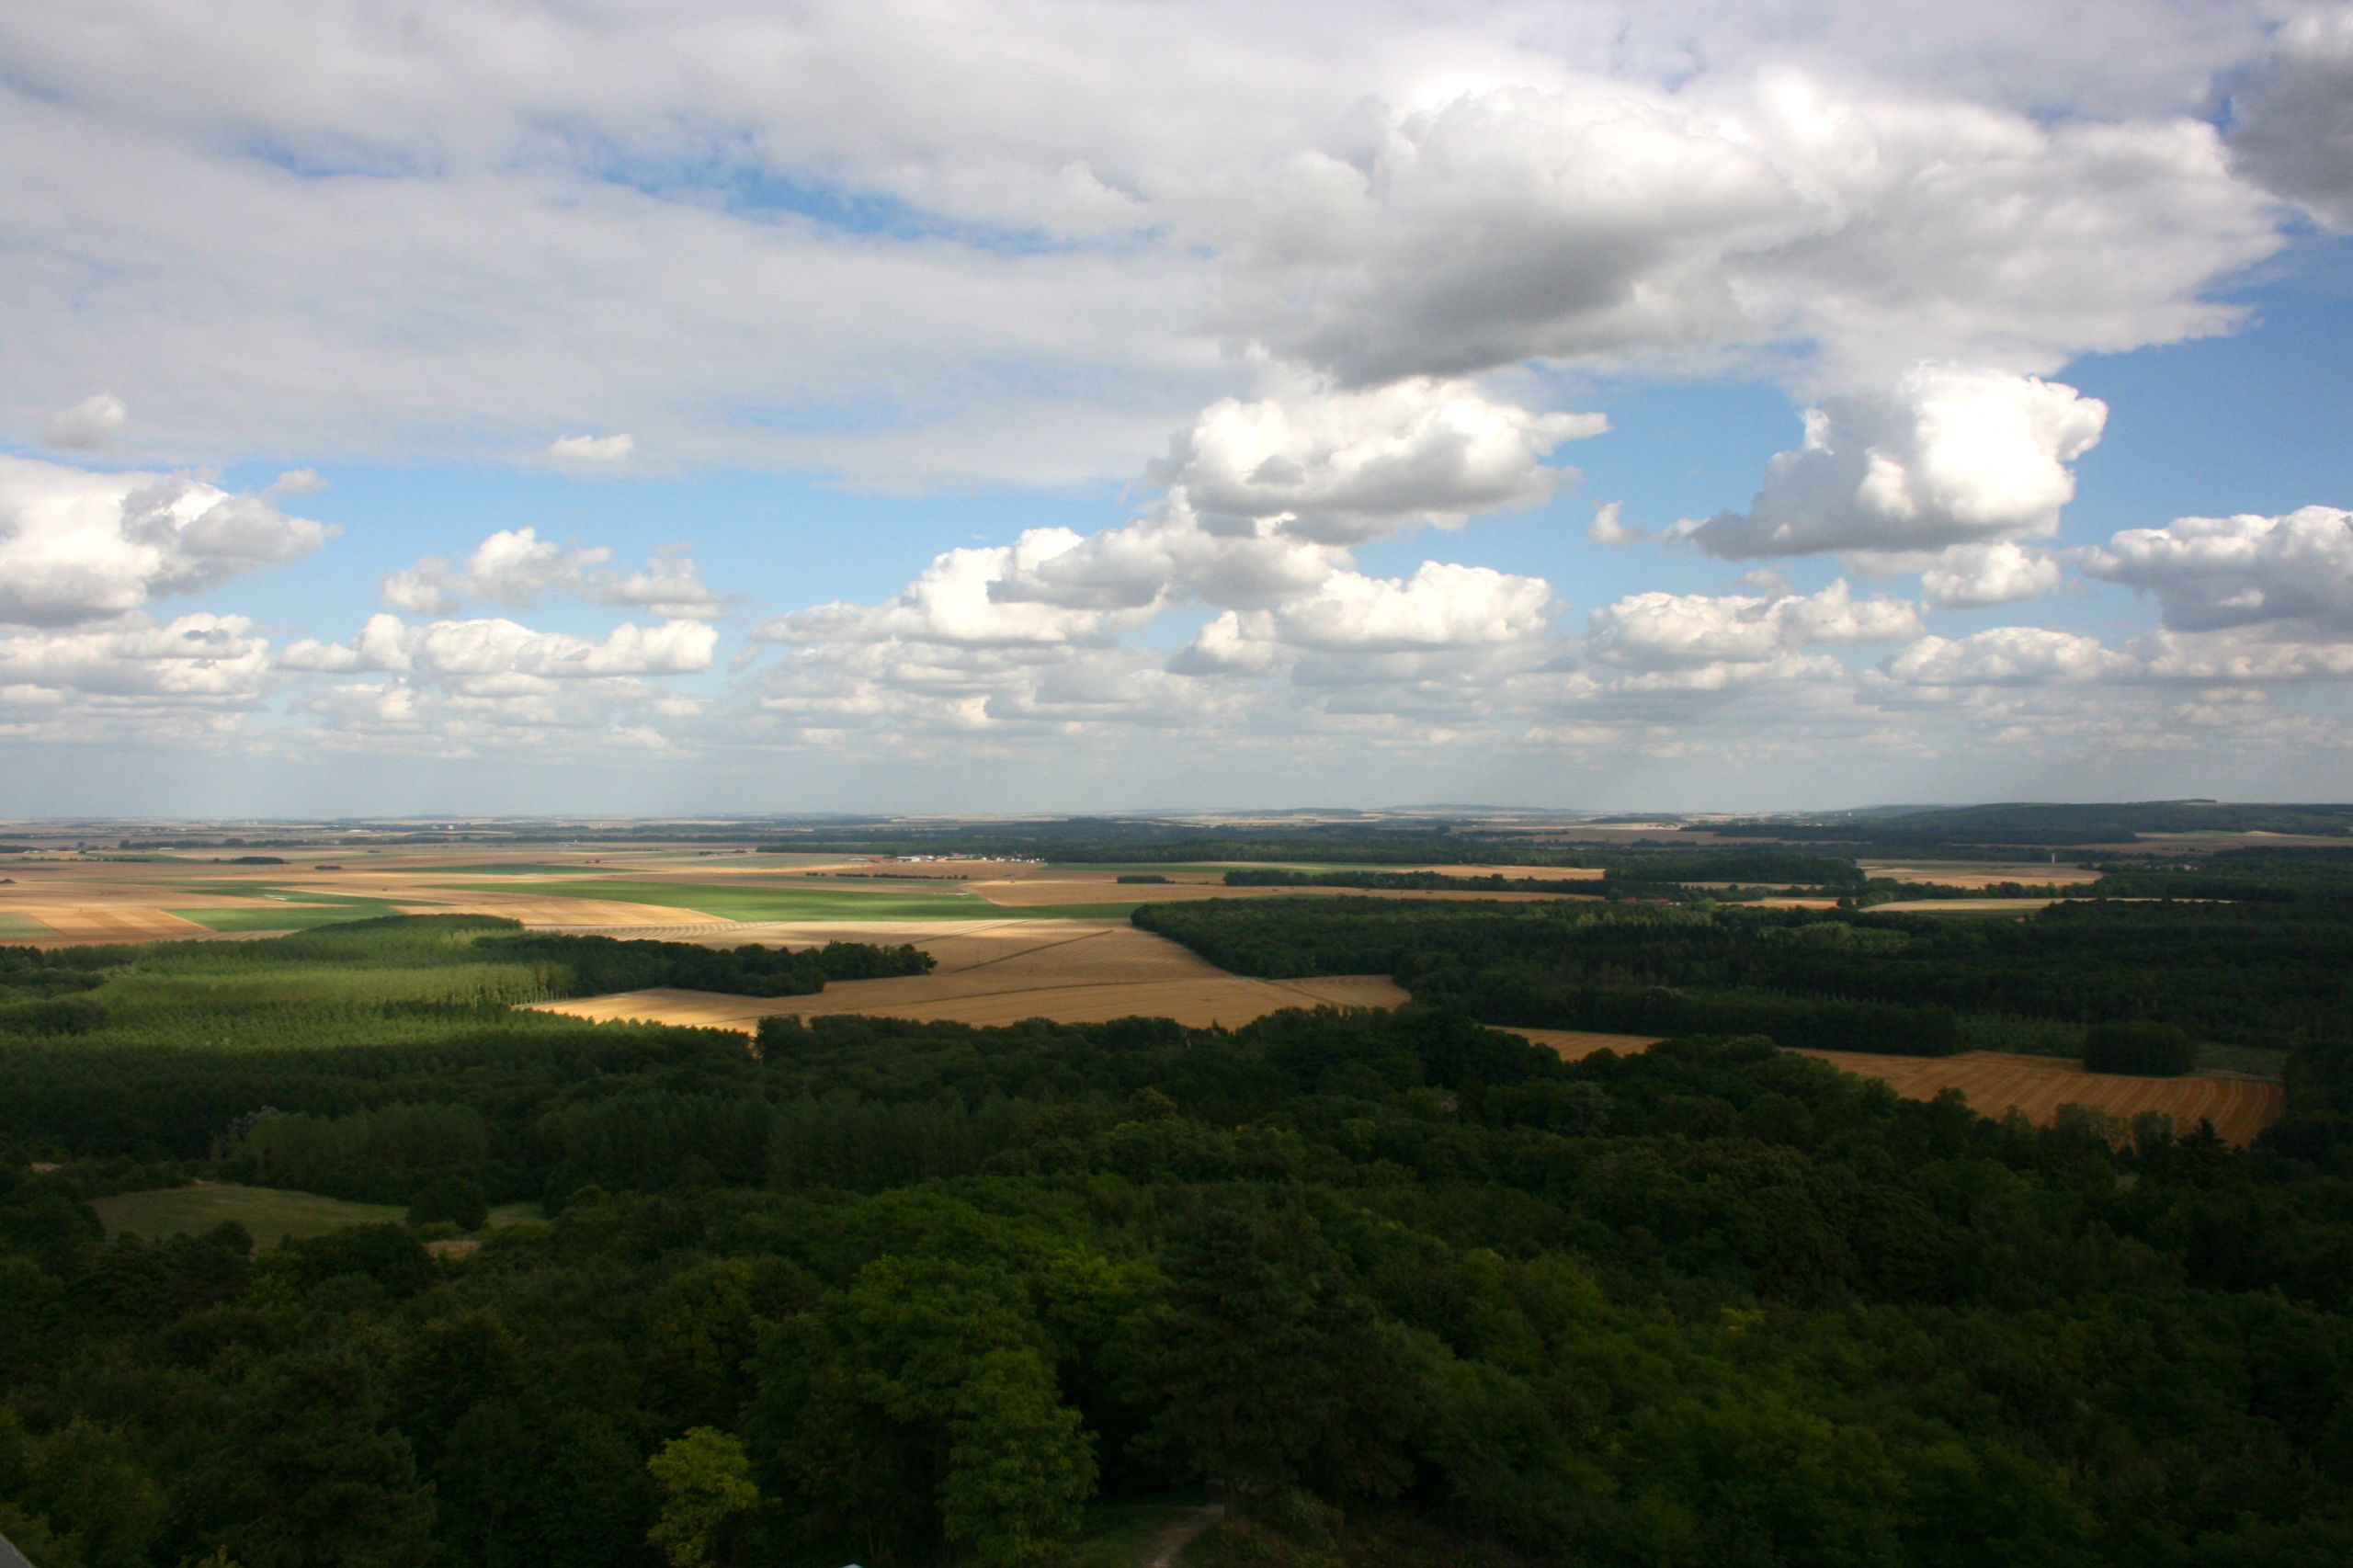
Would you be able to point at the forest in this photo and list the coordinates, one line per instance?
(1398, 1288)
(2264, 975)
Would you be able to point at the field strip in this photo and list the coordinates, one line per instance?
(1575, 1045)
(1069, 972)
(1996, 1083)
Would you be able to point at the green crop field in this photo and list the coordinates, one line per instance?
(772, 901)
(270, 1213)
(281, 909)
(289, 916)
(13, 926)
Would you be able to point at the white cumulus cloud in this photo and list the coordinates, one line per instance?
(516, 566)
(2221, 572)
(77, 546)
(591, 451)
(1966, 575)
(952, 602)
(485, 650)
(2010, 655)
(1952, 456)
(1340, 466)
(1662, 631)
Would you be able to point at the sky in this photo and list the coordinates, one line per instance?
(1117, 404)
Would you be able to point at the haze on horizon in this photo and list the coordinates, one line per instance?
(543, 409)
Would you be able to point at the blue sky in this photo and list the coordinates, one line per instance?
(1103, 406)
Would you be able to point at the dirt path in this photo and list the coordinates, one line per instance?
(1177, 1534)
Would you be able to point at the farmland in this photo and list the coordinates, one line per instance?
(88, 898)
(1256, 1130)
(1063, 971)
(1995, 1083)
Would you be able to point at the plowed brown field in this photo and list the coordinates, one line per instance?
(1066, 971)
(1995, 1083)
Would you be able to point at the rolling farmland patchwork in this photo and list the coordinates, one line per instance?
(1067, 971)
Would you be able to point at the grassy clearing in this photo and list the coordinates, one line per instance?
(2255, 1060)
(770, 901)
(270, 1213)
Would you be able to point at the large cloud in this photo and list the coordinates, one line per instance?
(1950, 457)
(1604, 219)
(2293, 116)
(2220, 572)
(77, 546)
(501, 226)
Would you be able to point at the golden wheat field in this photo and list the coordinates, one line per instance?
(1980, 873)
(1072, 972)
(1995, 1083)
(1575, 1045)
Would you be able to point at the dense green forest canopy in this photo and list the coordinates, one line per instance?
(2042, 823)
(1400, 1288)
(2268, 975)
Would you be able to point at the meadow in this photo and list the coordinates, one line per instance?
(268, 1214)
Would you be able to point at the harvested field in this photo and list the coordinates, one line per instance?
(1519, 873)
(1980, 873)
(1031, 893)
(1575, 1045)
(572, 913)
(1995, 1083)
(1963, 906)
(104, 922)
(1064, 971)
